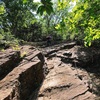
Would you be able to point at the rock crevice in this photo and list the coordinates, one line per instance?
(24, 78)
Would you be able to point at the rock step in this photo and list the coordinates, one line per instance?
(23, 79)
(49, 50)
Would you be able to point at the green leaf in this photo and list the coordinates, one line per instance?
(25, 1)
(2, 9)
(41, 9)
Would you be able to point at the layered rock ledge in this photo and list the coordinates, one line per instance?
(67, 79)
(24, 78)
(62, 74)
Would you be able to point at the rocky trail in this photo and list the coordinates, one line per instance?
(62, 72)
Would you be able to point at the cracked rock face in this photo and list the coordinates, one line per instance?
(23, 78)
(62, 83)
(53, 77)
(64, 80)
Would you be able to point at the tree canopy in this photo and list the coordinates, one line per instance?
(63, 19)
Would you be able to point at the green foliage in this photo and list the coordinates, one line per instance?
(1, 37)
(15, 47)
(91, 21)
(84, 20)
(18, 14)
(8, 40)
(23, 54)
(60, 19)
(62, 4)
(46, 6)
(2, 8)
